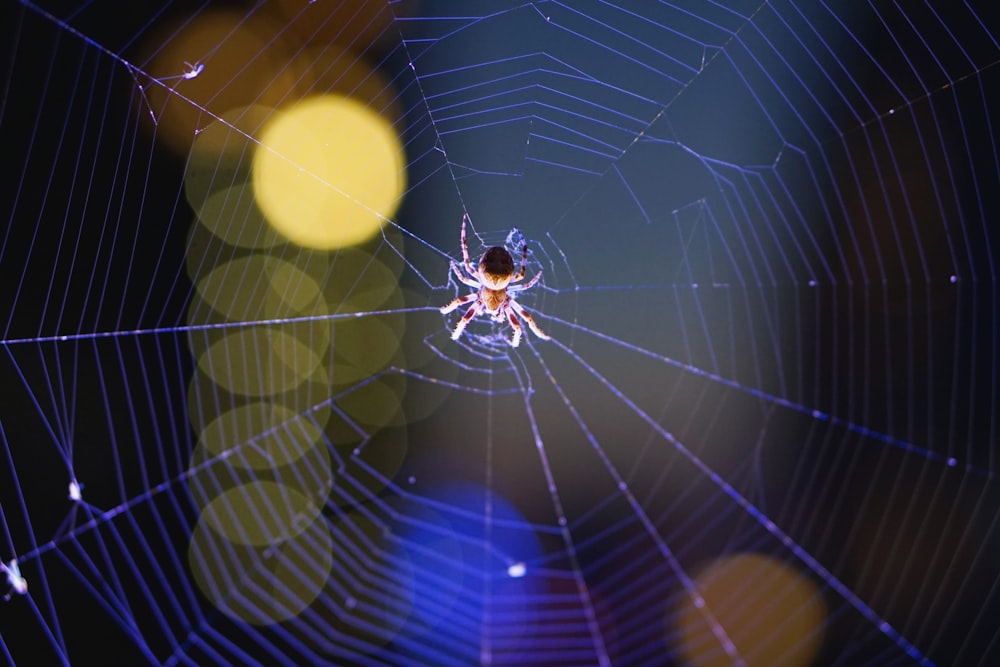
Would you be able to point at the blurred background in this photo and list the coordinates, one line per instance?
(236, 428)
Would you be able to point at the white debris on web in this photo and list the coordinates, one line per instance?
(17, 584)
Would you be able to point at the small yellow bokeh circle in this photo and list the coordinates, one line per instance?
(328, 171)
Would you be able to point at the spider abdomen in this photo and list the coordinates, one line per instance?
(496, 261)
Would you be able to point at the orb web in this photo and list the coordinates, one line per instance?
(762, 432)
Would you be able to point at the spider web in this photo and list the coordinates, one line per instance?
(763, 431)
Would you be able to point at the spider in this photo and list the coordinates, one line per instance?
(492, 281)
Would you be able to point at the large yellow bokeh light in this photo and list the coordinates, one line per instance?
(328, 171)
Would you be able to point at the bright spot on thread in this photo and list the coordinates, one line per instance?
(812, 283)
(17, 583)
(516, 570)
(954, 279)
(952, 462)
(74, 491)
(192, 70)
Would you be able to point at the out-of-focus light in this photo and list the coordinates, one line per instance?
(239, 65)
(267, 434)
(260, 513)
(329, 69)
(261, 287)
(261, 584)
(358, 24)
(370, 597)
(772, 615)
(217, 175)
(260, 361)
(231, 214)
(328, 171)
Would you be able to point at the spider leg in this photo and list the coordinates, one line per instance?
(464, 322)
(458, 302)
(519, 309)
(465, 249)
(464, 278)
(515, 338)
(524, 264)
(520, 288)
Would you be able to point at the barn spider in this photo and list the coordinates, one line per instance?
(492, 282)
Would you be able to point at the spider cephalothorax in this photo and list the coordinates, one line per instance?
(492, 280)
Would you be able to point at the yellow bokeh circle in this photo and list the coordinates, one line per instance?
(260, 361)
(265, 435)
(328, 171)
(773, 615)
(260, 513)
(262, 584)
(196, 69)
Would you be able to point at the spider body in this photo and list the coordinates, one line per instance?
(493, 279)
